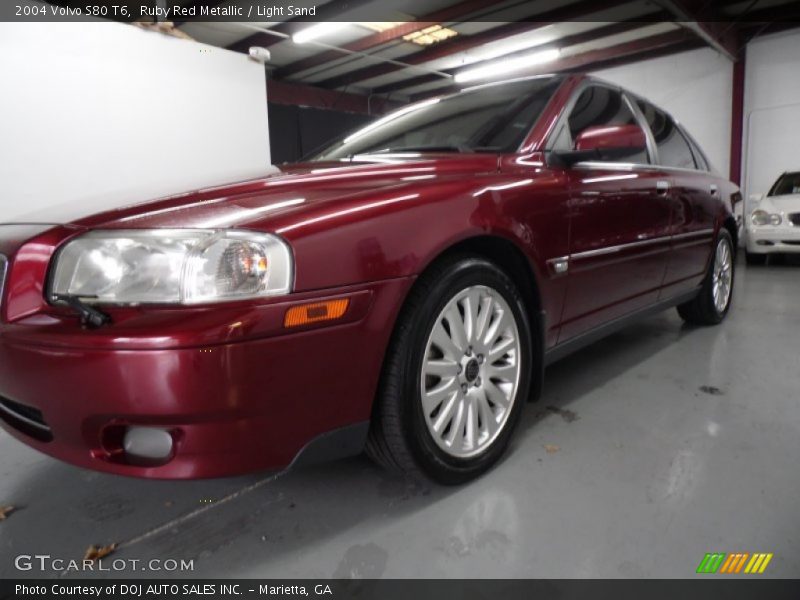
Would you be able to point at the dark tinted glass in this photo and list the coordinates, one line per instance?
(788, 183)
(673, 149)
(489, 119)
(599, 106)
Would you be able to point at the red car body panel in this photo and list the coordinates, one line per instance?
(240, 391)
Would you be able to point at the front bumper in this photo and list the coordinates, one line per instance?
(236, 393)
(773, 240)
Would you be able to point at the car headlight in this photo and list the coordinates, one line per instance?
(762, 217)
(172, 266)
(759, 217)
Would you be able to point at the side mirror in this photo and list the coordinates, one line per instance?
(604, 143)
(755, 198)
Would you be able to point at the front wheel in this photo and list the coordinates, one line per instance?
(456, 375)
(713, 301)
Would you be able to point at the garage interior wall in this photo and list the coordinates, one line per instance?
(295, 131)
(771, 110)
(102, 111)
(695, 87)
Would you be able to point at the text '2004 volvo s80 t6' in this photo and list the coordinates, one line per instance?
(401, 291)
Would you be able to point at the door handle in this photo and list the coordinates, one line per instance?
(714, 189)
(662, 187)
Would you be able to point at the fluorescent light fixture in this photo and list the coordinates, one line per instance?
(316, 31)
(499, 49)
(544, 37)
(507, 66)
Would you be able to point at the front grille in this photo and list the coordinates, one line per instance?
(26, 419)
(795, 219)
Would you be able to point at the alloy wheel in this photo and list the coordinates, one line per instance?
(723, 276)
(471, 370)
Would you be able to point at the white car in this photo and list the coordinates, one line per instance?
(773, 226)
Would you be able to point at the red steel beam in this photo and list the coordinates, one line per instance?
(756, 29)
(737, 121)
(788, 13)
(691, 43)
(772, 19)
(704, 21)
(464, 43)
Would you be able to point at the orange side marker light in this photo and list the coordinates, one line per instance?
(305, 314)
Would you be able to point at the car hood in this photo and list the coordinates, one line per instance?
(290, 190)
(780, 204)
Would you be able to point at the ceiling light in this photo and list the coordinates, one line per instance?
(430, 35)
(506, 66)
(316, 31)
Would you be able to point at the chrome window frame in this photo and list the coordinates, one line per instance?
(562, 125)
(652, 147)
(694, 147)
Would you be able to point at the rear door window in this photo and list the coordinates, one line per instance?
(673, 148)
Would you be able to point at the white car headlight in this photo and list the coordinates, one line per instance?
(759, 217)
(172, 266)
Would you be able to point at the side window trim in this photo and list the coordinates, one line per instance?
(652, 147)
(562, 126)
(697, 151)
(694, 147)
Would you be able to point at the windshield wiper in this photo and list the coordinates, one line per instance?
(91, 317)
(444, 148)
(459, 148)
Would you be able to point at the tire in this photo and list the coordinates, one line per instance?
(403, 434)
(755, 259)
(705, 309)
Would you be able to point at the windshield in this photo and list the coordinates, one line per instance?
(788, 183)
(488, 119)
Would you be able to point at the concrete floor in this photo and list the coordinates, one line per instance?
(666, 442)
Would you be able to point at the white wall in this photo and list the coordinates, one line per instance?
(771, 110)
(100, 112)
(694, 87)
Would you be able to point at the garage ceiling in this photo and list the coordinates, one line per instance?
(383, 59)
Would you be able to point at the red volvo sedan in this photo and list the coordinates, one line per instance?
(401, 291)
